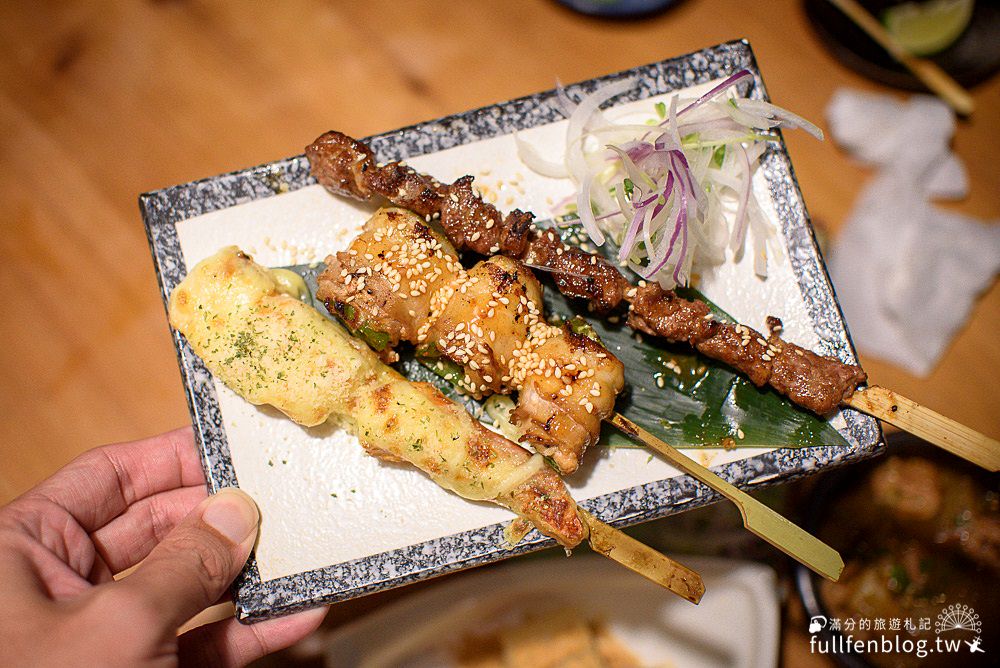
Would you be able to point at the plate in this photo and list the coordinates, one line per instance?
(338, 524)
(739, 625)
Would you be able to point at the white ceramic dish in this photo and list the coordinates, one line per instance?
(736, 624)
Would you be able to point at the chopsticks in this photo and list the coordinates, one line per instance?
(933, 427)
(936, 79)
(757, 518)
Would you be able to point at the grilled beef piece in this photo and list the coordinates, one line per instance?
(810, 380)
(347, 167)
(576, 272)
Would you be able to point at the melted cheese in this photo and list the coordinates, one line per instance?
(273, 349)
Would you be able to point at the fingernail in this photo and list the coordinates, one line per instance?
(232, 513)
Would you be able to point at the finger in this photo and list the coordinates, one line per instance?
(196, 562)
(101, 483)
(229, 643)
(130, 537)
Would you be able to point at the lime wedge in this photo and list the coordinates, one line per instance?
(925, 28)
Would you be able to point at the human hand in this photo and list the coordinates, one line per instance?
(112, 507)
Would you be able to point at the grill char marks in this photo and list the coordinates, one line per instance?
(347, 167)
(811, 381)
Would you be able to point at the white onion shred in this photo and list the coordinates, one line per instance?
(675, 193)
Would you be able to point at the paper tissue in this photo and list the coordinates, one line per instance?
(907, 272)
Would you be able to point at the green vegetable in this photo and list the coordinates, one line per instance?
(578, 325)
(718, 156)
(661, 109)
(374, 338)
(683, 398)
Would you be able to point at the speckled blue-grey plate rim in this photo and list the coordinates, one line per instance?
(258, 600)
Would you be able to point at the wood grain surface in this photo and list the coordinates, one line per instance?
(100, 101)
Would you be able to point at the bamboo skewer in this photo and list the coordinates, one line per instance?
(933, 427)
(936, 79)
(642, 559)
(758, 518)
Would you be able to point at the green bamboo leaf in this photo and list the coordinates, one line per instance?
(683, 398)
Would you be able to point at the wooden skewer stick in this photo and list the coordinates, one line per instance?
(642, 559)
(758, 518)
(933, 427)
(936, 79)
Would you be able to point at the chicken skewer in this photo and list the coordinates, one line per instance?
(347, 167)
(273, 349)
(567, 382)
(400, 281)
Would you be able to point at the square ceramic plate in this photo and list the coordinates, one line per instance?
(338, 524)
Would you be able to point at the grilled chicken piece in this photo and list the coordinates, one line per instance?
(485, 323)
(381, 287)
(272, 349)
(345, 166)
(570, 383)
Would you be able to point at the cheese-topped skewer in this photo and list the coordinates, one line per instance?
(273, 349)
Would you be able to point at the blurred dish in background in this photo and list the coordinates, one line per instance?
(920, 535)
(618, 9)
(536, 613)
(972, 57)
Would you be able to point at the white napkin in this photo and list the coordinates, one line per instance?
(907, 272)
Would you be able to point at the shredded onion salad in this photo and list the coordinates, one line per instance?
(662, 190)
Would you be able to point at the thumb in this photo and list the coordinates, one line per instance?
(198, 560)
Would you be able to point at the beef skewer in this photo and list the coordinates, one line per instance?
(347, 167)
(273, 349)
(399, 281)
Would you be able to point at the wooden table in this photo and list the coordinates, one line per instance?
(100, 101)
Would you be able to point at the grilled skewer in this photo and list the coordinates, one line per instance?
(398, 281)
(348, 167)
(273, 349)
(567, 382)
